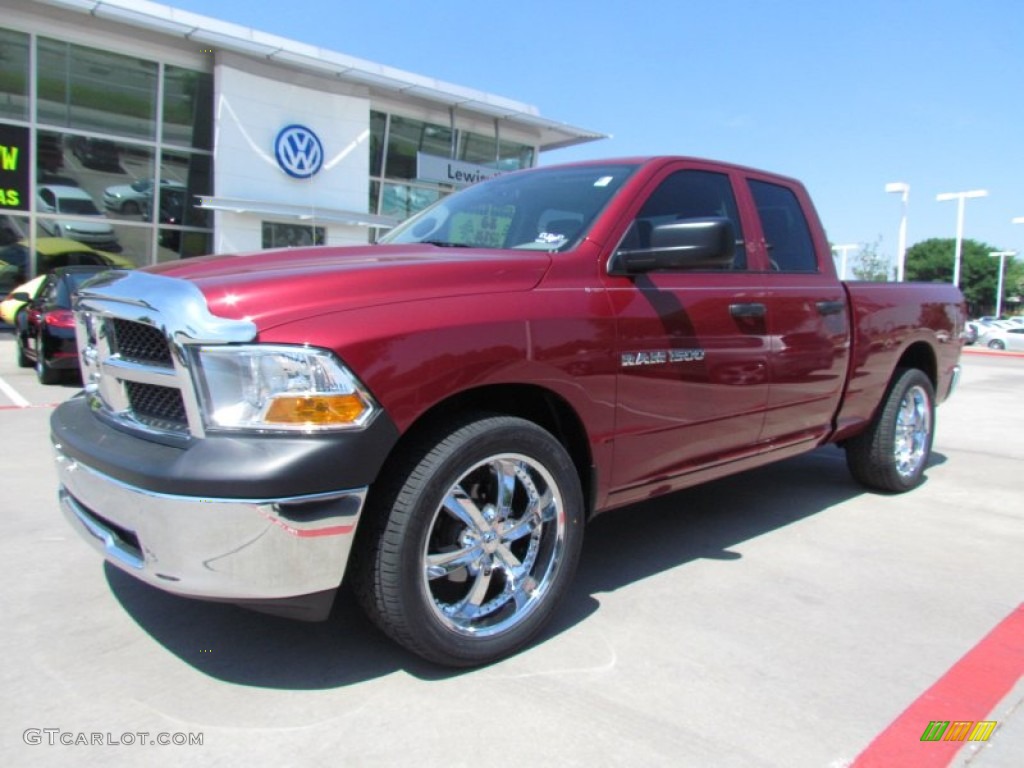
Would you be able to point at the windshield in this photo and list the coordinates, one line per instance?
(546, 209)
(82, 206)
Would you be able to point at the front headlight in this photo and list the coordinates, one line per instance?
(278, 388)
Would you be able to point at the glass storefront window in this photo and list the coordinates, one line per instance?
(13, 74)
(406, 137)
(403, 200)
(173, 244)
(89, 89)
(188, 103)
(485, 150)
(513, 156)
(185, 177)
(478, 149)
(378, 125)
(276, 235)
(97, 148)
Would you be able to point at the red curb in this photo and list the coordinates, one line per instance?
(969, 691)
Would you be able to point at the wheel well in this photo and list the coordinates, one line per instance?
(922, 357)
(541, 406)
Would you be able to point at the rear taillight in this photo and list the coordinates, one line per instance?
(60, 318)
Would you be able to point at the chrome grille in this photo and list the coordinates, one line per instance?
(134, 331)
(140, 343)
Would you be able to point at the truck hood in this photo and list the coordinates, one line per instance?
(270, 288)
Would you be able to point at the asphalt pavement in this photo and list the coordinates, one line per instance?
(784, 617)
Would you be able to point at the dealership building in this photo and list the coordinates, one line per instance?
(144, 130)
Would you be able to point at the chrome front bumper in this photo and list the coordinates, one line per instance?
(221, 549)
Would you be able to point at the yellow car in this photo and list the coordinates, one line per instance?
(10, 307)
(51, 253)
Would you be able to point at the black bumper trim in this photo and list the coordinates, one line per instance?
(222, 466)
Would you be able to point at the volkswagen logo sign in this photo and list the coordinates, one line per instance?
(299, 152)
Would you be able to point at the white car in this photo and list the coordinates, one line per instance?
(1004, 338)
(132, 199)
(74, 201)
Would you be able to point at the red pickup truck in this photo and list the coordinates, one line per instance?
(434, 419)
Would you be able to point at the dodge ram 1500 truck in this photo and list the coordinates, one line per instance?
(434, 418)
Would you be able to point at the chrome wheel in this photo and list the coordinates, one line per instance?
(471, 541)
(892, 453)
(494, 545)
(913, 431)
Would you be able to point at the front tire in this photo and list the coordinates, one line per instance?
(892, 453)
(472, 541)
(997, 344)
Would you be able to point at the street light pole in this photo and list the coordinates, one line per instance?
(843, 250)
(901, 249)
(960, 197)
(999, 291)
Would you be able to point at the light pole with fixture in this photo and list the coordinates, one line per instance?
(999, 291)
(960, 197)
(843, 250)
(903, 189)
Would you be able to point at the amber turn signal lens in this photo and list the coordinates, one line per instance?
(319, 410)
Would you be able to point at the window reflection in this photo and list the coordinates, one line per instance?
(188, 100)
(277, 235)
(185, 177)
(90, 89)
(394, 144)
(403, 200)
(407, 137)
(13, 74)
(175, 244)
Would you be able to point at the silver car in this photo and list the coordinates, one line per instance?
(91, 228)
(132, 199)
(1004, 338)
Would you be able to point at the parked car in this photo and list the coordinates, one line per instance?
(171, 211)
(75, 201)
(51, 253)
(970, 333)
(1004, 338)
(135, 198)
(11, 308)
(46, 338)
(96, 153)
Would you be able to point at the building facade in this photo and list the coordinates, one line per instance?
(153, 133)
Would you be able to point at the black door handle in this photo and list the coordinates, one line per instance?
(831, 307)
(747, 310)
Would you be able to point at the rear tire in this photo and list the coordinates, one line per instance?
(45, 372)
(471, 541)
(892, 453)
(24, 361)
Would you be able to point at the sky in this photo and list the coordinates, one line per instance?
(845, 96)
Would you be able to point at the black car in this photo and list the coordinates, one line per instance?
(97, 153)
(46, 330)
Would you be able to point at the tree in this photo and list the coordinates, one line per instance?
(931, 261)
(871, 265)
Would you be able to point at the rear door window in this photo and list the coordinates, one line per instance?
(786, 233)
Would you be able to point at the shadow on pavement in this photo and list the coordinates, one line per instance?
(622, 547)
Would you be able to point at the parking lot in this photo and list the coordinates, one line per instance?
(784, 617)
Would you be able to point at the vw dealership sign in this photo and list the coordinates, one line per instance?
(299, 152)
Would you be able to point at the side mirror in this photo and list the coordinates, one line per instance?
(678, 245)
